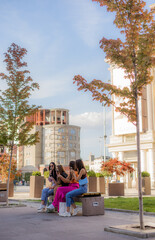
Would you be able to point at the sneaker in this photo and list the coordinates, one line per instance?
(66, 214)
(50, 207)
(41, 208)
(75, 212)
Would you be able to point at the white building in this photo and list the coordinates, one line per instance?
(123, 139)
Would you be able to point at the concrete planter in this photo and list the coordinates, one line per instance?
(116, 189)
(36, 186)
(146, 185)
(101, 185)
(11, 188)
(92, 184)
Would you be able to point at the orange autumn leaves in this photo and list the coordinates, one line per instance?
(116, 166)
(4, 166)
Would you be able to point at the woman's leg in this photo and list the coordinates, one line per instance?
(74, 193)
(46, 192)
(60, 195)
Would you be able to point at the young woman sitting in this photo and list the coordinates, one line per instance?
(61, 191)
(46, 192)
(83, 181)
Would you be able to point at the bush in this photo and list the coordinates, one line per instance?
(36, 173)
(46, 174)
(99, 175)
(91, 173)
(145, 174)
(27, 176)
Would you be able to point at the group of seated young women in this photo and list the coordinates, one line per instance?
(65, 186)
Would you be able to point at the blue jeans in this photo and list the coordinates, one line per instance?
(69, 196)
(46, 192)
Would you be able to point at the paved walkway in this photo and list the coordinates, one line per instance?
(25, 223)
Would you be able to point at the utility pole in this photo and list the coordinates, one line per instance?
(104, 129)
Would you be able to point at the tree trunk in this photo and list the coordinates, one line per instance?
(9, 175)
(139, 166)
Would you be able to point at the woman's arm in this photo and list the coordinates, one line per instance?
(65, 180)
(82, 172)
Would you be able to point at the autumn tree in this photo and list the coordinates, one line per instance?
(4, 166)
(134, 54)
(14, 105)
(113, 165)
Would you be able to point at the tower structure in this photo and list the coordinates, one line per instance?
(59, 141)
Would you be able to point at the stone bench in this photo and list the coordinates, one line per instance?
(92, 203)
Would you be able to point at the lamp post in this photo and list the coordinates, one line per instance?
(104, 130)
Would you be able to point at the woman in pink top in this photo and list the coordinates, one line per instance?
(62, 191)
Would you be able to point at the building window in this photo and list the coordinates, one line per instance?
(72, 131)
(70, 145)
(70, 137)
(61, 154)
(63, 137)
(60, 161)
(72, 154)
(61, 130)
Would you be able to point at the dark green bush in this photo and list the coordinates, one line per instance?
(99, 175)
(46, 174)
(27, 176)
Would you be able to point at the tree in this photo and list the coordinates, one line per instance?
(4, 166)
(14, 105)
(134, 54)
(113, 165)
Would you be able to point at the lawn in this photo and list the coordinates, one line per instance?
(130, 203)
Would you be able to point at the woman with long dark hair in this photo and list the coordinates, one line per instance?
(83, 181)
(46, 192)
(61, 191)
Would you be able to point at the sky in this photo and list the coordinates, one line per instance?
(62, 39)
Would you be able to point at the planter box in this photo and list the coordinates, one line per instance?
(146, 186)
(116, 189)
(11, 188)
(101, 185)
(36, 186)
(3, 195)
(92, 184)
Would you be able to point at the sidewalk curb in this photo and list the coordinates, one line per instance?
(130, 211)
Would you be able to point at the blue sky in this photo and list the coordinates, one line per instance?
(62, 39)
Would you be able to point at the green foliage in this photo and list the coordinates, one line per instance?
(145, 174)
(14, 104)
(36, 173)
(27, 176)
(99, 175)
(130, 203)
(87, 167)
(91, 173)
(46, 174)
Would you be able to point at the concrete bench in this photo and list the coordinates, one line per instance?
(92, 203)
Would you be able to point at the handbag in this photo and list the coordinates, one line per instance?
(83, 181)
(62, 208)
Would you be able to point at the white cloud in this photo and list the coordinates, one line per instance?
(89, 119)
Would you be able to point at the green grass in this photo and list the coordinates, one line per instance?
(130, 203)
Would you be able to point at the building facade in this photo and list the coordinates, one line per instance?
(59, 141)
(123, 139)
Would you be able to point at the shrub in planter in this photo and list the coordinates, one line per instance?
(92, 181)
(145, 174)
(36, 173)
(100, 182)
(146, 183)
(36, 184)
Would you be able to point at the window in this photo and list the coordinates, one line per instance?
(72, 154)
(61, 154)
(70, 145)
(72, 131)
(70, 137)
(61, 130)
